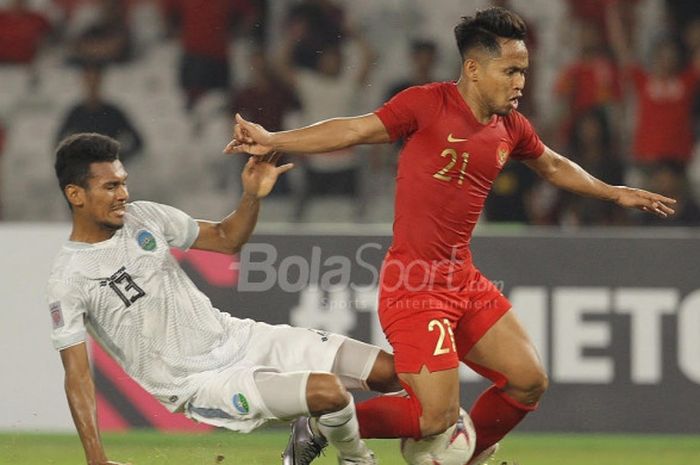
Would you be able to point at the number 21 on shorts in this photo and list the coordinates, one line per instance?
(444, 328)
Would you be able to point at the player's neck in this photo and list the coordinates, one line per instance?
(89, 232)
(474, 101)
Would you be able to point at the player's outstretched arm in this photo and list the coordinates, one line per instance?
(324, 136)
(80, 391)
(228, 235)
(567, 175)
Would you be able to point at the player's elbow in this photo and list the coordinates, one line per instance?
(366, 129)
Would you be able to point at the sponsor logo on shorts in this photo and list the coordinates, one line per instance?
(56, 314)
(240, 403)
(146, 240)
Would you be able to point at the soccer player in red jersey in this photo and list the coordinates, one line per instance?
(435, 307)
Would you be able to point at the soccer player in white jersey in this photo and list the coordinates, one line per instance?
(116, 280)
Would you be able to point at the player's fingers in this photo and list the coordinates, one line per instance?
(243, 123)
(232, 147)
(284, 168)
(250, 163)
(664, 199)
(655, 208)
(668, 210)
(274, 157)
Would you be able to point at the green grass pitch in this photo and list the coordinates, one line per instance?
(264, 447)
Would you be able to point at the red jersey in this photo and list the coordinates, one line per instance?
(446, 169)
(664, 129)
(21, 34)
(206, 24)
(589, 83)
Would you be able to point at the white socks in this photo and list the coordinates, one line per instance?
(343, 431)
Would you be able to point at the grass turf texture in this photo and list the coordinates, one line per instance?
(264, 447)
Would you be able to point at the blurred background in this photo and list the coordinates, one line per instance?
(612, 85)
(610, 297)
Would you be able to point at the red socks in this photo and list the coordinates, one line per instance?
(494, 414)
(389, 417)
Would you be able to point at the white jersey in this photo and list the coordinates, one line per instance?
(131, 295)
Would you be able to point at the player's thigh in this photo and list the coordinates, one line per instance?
(437, 391)
(506, 355)
(425, 358)
(230, 399)
(288, 348)
(423, 339)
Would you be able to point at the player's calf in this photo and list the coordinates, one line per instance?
(333, 420)
(325, 393)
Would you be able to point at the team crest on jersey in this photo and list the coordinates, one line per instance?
(146, 240)
(56, 314)
(502, 152)
(240, 403)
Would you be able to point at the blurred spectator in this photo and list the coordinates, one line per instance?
(507, 200)
(146, 23)
(668, 178)
(22, 32)
(2, 148)
(265, 99)
(664, 93)
(205, 29)
(683, 13)
(590, 82)
(691, 41)
(94, 114)
(105, 38)
(423, 58)
(592, 148)
(316, 25)
(330, 89)
(594, 12)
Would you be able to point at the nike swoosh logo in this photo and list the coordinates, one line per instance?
(450, 138)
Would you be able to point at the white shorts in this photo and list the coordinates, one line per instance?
(230, 398)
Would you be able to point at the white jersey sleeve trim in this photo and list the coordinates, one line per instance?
(192, 234)
(70, 341)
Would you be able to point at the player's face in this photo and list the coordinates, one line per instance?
(502, 78)
(106, 194)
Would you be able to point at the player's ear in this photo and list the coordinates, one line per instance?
(470, 68)
(75, 195)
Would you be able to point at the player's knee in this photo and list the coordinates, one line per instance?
(383, 377)
(529, 387)
(437, 420)
(325, 393)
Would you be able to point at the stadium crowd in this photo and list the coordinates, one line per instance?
(612, 84)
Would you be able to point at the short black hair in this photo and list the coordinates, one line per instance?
(486, 27)
(76, 153)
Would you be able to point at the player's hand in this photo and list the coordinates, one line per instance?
(250, 138)
(640, 199)
(261, 173)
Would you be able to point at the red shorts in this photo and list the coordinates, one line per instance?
(437, 330)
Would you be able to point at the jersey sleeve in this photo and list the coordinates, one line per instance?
(527, 144)
(402, 114)
(179, 228)
(67, 308)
